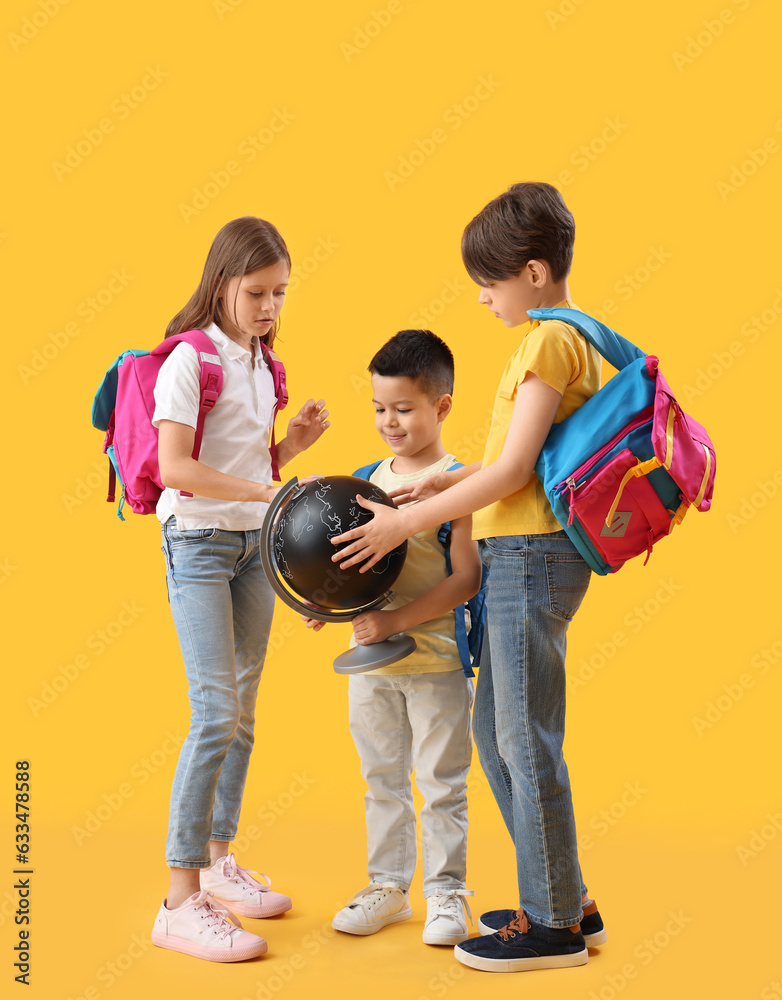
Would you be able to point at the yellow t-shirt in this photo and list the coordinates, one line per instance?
(562, 358)
(424, 568)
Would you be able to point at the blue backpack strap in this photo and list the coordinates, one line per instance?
(366, 470)
(615, 349)
(466, 644)
(462, 640)
(444, 534)
(477, 606)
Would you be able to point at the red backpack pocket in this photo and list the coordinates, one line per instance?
(639, 520)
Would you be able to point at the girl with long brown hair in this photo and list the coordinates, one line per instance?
(211, 515)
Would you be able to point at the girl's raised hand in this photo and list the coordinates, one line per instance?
(370, 541)
(421, 489)
(307, 426)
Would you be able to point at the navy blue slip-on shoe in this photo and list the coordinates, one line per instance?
(523, 946)
(591, 925)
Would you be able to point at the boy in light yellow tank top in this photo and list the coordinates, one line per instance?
(415, 713)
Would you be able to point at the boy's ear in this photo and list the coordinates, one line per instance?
(444, 405)
(539, 273)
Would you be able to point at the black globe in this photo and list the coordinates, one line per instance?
(302, 550)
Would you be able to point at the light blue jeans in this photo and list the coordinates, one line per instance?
(222, 606)
(422, 721)
(535, 586)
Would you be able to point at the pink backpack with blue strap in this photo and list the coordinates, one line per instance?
(125, 403)
(623, 469)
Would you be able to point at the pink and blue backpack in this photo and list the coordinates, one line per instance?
(623, 469)
(125, 403)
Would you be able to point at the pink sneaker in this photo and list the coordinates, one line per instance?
(199, 928)
(235, 887)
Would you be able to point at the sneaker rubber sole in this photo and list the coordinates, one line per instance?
(596, 939)
(253, 910)
(521, 964)
(210, 954)
(444, 939)
(363, 929)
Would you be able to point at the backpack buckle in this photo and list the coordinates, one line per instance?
(210, 392)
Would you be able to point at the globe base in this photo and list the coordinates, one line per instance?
(373, 655)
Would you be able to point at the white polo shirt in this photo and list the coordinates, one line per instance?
(236, 431)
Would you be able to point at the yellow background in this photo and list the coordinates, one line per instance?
(641, 113)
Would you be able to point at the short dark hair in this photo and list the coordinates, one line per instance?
(529, 221)
(420, 355)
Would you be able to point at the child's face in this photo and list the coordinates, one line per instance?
(510, 299)
(406, 418)
(252, 303)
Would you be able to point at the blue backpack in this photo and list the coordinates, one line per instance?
(468, 642)
(622, 470)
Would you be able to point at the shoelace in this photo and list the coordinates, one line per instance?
(243, 876)
(215, 914)
(445, 900)
(379, 890)
(519, 923)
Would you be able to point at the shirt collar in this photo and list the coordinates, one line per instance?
(229, 347)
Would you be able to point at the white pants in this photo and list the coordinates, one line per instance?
(422, 721)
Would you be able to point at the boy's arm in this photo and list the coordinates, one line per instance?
(533, 414)
(458, 587)
(430, 486)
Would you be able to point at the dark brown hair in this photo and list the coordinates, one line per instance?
(529, 221)
(419, 355)
(242, 246)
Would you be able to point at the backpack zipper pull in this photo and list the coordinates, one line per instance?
(571, 484)
(121, 505)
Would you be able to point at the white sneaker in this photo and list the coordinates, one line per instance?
(371, 909)
(235, 887)
(445, 917)
(200, 927)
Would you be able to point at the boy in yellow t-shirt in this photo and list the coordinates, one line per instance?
(415, 713)
(519, 249)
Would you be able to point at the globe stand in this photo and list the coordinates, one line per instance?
(374, 655)
(353, 661)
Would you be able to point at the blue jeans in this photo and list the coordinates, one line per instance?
(222, 607)
(535, 586)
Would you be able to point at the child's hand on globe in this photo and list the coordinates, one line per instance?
(373, 626)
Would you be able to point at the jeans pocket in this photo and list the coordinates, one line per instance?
(507, 545)
(567, 577)
(176, 537)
